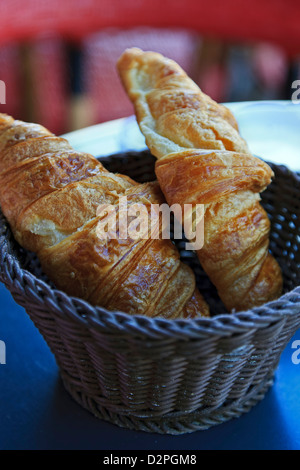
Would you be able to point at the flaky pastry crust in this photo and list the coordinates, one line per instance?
(50, 194)
(202, 159)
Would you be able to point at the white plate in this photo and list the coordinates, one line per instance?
(271, 128)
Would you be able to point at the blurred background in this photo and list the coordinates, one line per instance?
(57, 57)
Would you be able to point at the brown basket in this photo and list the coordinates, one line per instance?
(166, 376)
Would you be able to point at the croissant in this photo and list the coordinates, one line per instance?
(202, 159)
(50, 193)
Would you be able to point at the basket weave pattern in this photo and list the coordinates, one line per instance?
(166, 376)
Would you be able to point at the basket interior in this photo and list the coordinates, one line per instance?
(281, 201)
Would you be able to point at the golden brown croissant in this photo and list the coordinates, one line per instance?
(50, 193)
(202, 159)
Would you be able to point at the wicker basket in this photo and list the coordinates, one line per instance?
(166, 376)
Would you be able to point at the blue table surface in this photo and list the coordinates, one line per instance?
(37, 413)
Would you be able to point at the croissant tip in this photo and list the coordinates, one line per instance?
(128, 54)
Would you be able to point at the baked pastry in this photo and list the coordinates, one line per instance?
(50, 193)
(202, 159)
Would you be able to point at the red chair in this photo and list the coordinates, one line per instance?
(276, 21)
(106, 97)
(75, 20)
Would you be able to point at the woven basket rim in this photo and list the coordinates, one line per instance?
(222, 325)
